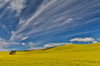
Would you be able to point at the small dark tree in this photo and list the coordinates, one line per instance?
(12, 52)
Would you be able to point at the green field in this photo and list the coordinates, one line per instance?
(66, 55)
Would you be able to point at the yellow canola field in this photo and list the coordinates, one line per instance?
(66, 55)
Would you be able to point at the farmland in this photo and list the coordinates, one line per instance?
(65, 55)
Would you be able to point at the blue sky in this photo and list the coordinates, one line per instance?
(36, 24)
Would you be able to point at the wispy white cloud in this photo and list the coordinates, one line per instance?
(54, 44)
(24, 38)
(3, 2)
(4, 49)
(47, 45)
(4, 44)
(95, 42)
(17, 5)
(23, 44)
(33, 46)
(86, 39)
(68, 20)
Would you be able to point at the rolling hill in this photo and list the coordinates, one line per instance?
(65, 55)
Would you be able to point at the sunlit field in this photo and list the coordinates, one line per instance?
(66, 55)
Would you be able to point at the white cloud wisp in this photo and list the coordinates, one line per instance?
(86, 39)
